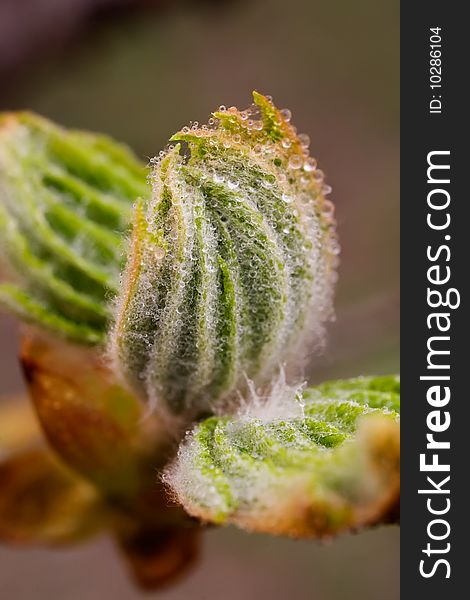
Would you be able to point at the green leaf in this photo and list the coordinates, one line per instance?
(65, 203)
(308, 463)
(232, 262)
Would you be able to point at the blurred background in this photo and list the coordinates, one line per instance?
(139, 70)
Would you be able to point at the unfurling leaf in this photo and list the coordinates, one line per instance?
(65, 200)
(329, 464)
(232, 262)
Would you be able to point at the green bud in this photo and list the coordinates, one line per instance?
(309, 463)
(232, 262)
(65, 202)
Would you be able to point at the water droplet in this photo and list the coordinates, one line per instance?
(287, 199)
(185, 130)
(304, 140)
(328, 208)
(295, 161)
(258, 125)
(266, 183)
(218, 178)
(159, 253)
(286, 143)
(232, 185)
(222, 108)
(286, 114)
(310, 165)
(237, 138)
(335, 248)
(326, 189)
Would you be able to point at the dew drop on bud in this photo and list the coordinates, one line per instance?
(295, 161)
(310, 165)
(159, 253)
(267, 184)
(304, 140)
(286, 143)
(328, 209)
(286, 114)
(335, 248)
